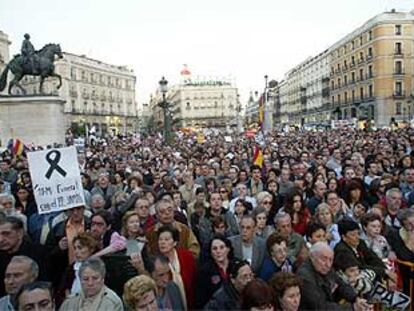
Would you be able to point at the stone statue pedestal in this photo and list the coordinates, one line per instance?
(37, 120)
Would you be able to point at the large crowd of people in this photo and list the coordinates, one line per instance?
(315, 223)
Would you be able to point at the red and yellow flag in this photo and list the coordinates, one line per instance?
(258, 156)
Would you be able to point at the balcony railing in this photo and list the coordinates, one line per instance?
(399, 95)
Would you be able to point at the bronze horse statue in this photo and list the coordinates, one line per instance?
(44, 68)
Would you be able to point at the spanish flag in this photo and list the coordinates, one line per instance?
(261, 112)
(258, 156)
(16, 147)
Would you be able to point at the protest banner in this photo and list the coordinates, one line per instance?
(394, 299)
(56, 179)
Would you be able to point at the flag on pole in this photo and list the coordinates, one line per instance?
(15, 146)
(261, 112)
(258, 156)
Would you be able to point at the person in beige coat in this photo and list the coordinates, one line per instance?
(94, 296)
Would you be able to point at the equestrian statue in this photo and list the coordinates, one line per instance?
(32, 62)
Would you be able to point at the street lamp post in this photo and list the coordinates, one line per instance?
(164, 105)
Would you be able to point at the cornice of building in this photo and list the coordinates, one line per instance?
(382, 18)
(97, 64)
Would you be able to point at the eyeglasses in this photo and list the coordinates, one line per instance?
(223, 191)
(267, 202)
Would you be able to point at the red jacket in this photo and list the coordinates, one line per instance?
(188, 274)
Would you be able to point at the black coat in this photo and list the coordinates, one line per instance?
(365, 256)
(209, 281)
(321, 292)
(226, 298)
(37, 252)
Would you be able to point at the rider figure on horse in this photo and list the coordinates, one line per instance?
(29, 53)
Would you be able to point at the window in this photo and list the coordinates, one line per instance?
(370, 35)
(361, 74)
(370, 71)
(398, 30)
(398, 48)
(398, 67)
(361, 56)
(353, 95)
(398, 88)
(361, 93)
(332, 85)
(345, 64)
(360, 40)
(353, 45)
(73, 73)
(353, 60)
(370, 91)
(353, 77)
(398, 108)
(188, 107)
(370, 52)
(345, 80)
(333, 99)
(339, 82)
(346, 97)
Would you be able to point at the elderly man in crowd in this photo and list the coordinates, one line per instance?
(165, 216)
(322, 288)
(20, 271)
(283, 224)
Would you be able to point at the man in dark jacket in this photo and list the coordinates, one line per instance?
(228, 296)
(322, 288)
(14, 243)
(352, 245)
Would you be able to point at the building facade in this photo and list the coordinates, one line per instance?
(97, 95)
(199, 103)
(367, 75)
(371, 73)
(4, 52)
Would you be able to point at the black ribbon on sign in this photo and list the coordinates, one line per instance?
(54, 163)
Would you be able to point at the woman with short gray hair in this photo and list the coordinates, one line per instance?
(94, 294)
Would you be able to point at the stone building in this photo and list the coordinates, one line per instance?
(4, 52)
(199, 103)
(366, 75)
(97, 95)
(371, 73)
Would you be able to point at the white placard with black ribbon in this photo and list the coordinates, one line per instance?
(56, 179)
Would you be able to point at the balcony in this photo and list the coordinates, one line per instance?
(369, 99)
(369, 58)
(398, 95)
(352, 65)
(398, 54)
(398, 73)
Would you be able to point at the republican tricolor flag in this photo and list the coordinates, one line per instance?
(16, 147)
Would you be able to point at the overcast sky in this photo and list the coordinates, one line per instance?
(242, 38)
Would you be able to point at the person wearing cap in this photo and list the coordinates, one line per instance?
(351, 244)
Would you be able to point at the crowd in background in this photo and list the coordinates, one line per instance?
(314, 225)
